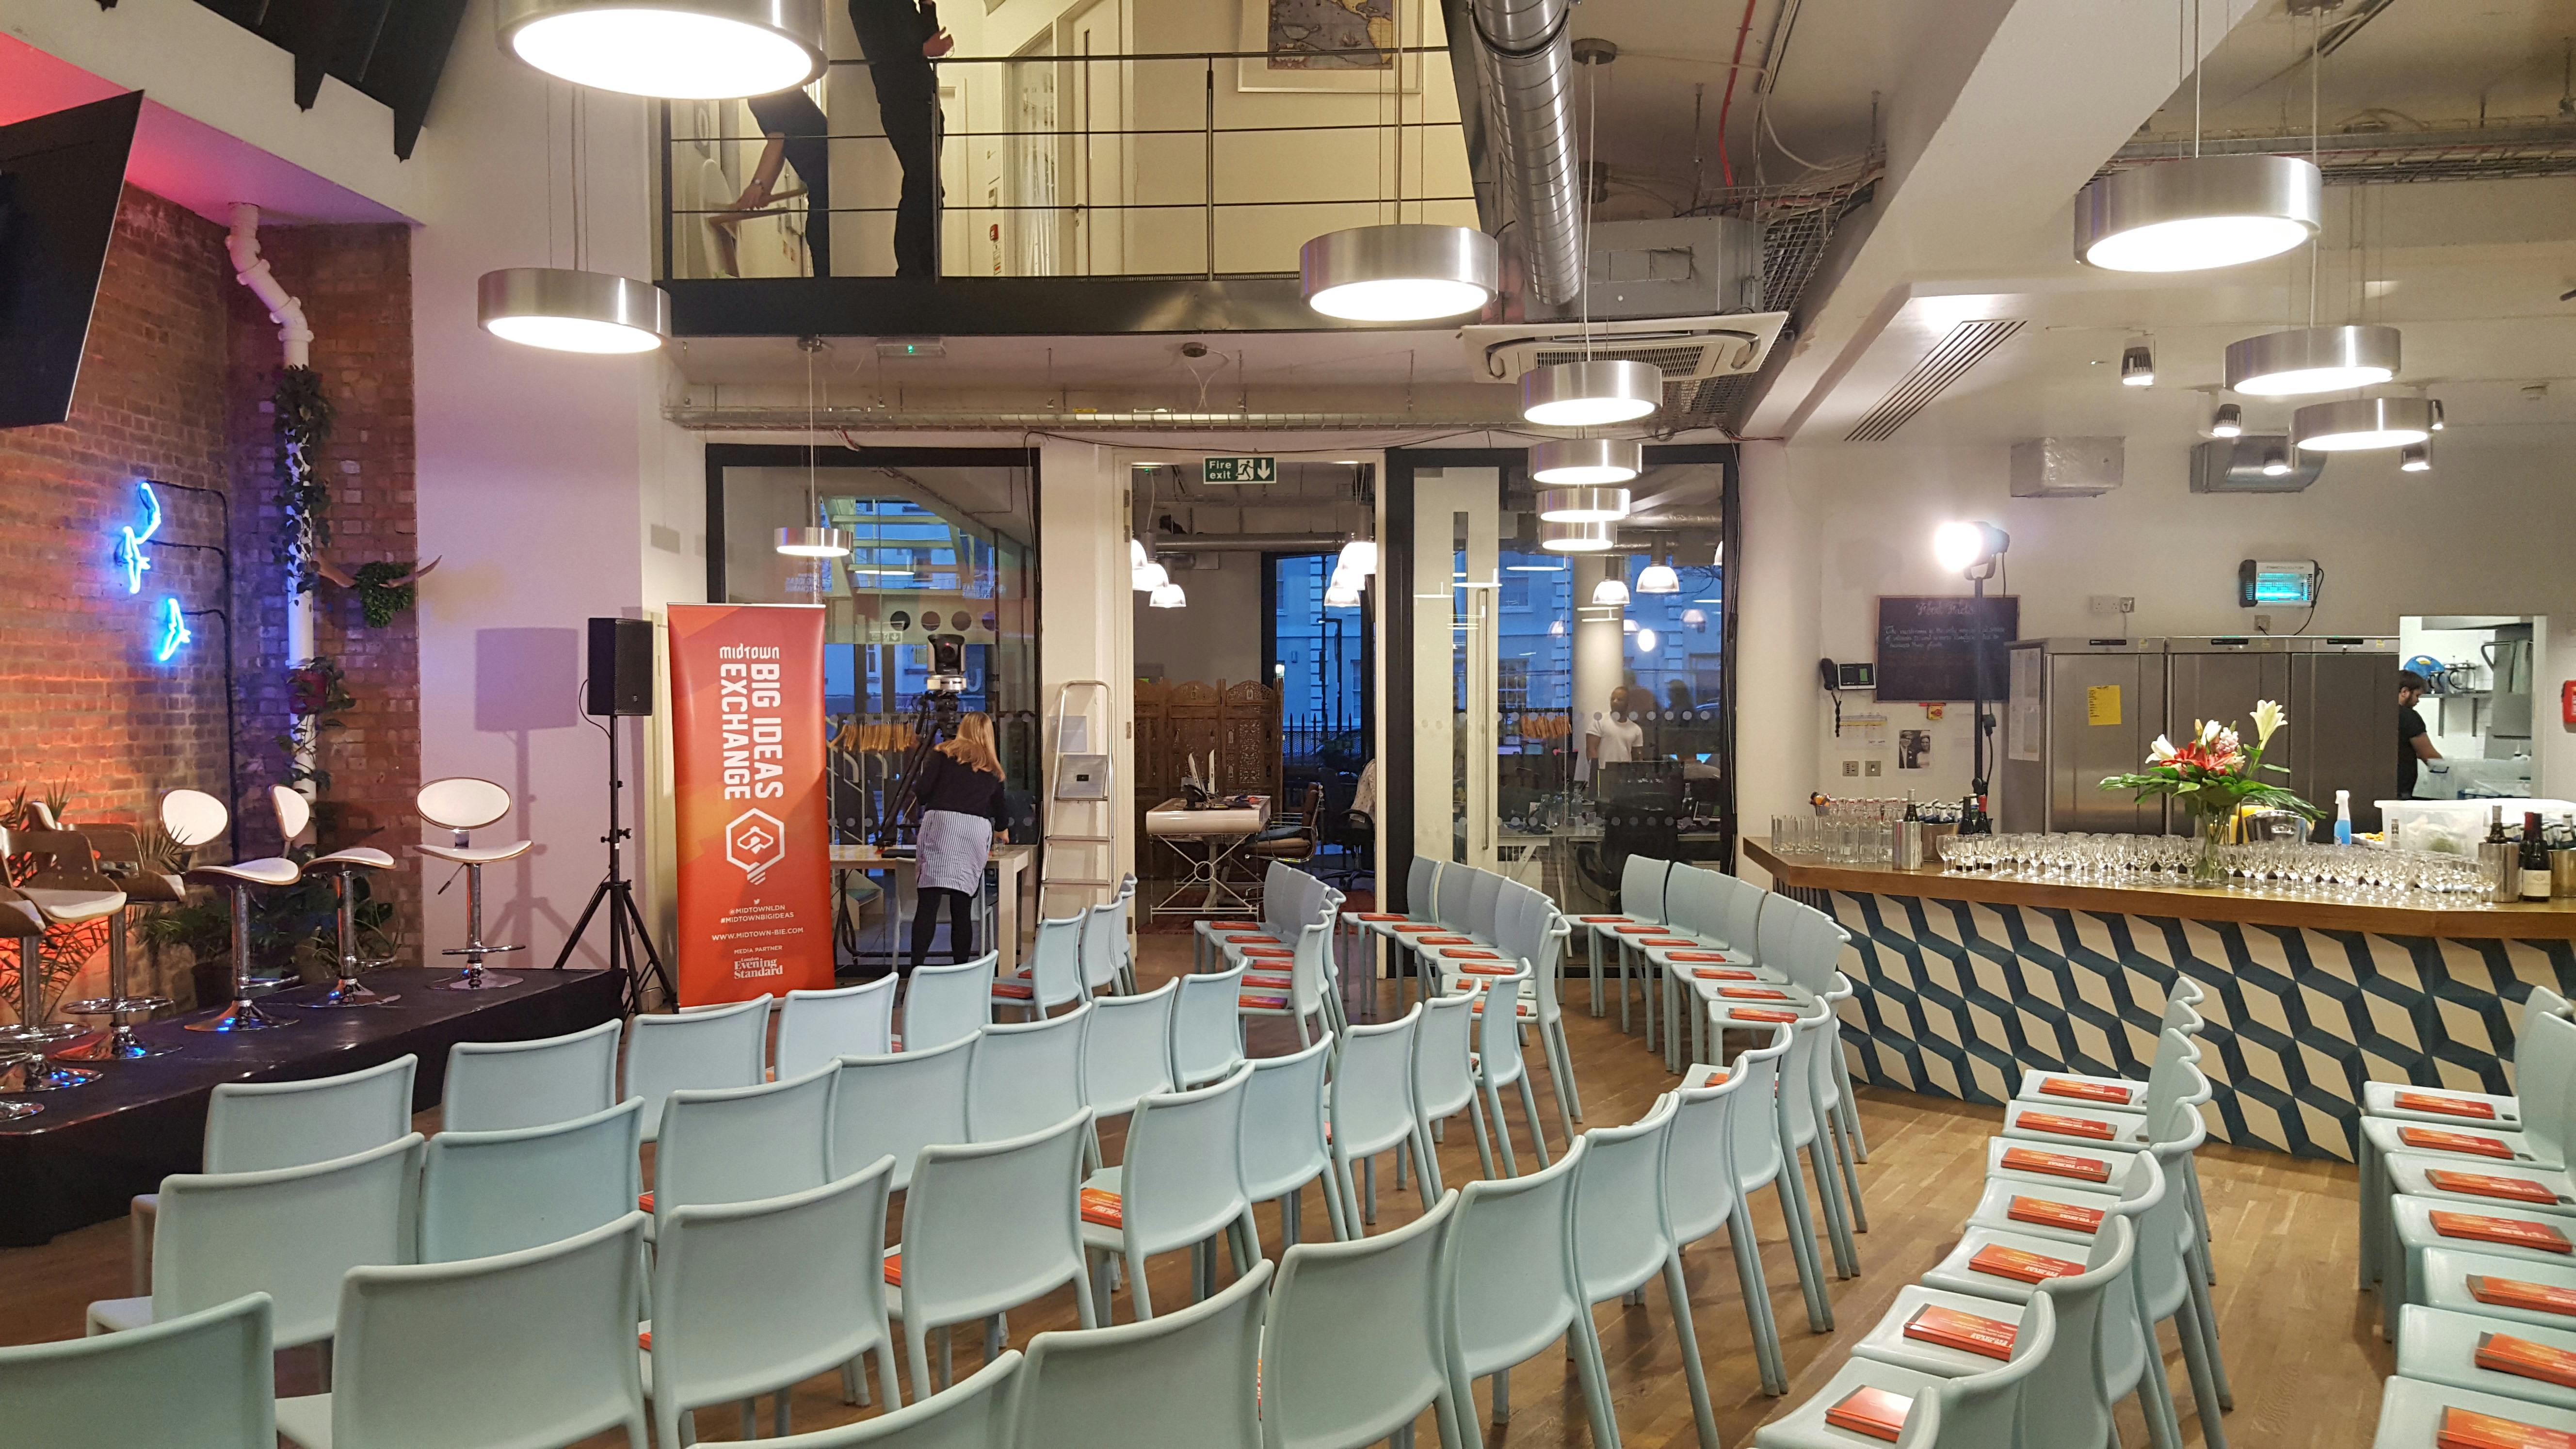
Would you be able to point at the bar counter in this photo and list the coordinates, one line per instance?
(1966, 978)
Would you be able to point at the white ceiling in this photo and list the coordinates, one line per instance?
(2408, 63)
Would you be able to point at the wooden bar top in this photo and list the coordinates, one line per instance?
(2455, 916)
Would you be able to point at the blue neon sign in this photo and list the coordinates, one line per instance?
(129, 544)
(174, 631)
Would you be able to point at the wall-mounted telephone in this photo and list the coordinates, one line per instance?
(1838, 677)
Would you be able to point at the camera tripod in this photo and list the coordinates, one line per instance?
(630, 941)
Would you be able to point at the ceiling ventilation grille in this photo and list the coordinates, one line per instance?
(1673, 362)
(1967, 344)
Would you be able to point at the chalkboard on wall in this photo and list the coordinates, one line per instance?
(1927, 646)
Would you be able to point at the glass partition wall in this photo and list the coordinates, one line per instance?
(944, 548)
(1566, 709)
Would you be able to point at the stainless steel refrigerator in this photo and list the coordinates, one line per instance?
(2341, 695)
(2080, 709)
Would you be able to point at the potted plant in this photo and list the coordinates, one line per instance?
(2212, 777)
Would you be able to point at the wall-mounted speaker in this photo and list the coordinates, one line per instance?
(621, 667)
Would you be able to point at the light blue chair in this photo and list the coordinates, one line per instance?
(203, 1380)
(483, 1193)
(949, 1003)
(708, 1049)
(975, 1414)
(493, 1086)
(1184, 1379)
(816, 1028)
(897, 1105)
(1356, 1346)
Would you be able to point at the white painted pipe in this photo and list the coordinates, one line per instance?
(295, 337)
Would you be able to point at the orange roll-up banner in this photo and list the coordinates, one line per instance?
(753, 818)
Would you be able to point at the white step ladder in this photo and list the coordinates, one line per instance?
(1082, 779)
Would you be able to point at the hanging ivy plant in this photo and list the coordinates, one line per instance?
(303, 424)
(316, 690)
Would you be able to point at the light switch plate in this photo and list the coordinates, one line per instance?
(1851, 769)
(1871, 768)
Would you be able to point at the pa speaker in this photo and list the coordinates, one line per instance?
(621, 667)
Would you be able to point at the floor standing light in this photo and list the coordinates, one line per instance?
(1973, 551)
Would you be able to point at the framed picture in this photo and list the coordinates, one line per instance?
(1330, 45)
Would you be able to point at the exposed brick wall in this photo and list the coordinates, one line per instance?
(174, 387)
(355, 283)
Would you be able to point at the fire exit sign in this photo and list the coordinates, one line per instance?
(1240, 470)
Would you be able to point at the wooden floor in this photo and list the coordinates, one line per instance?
(2299, 1342)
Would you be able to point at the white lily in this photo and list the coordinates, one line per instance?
(2162, 752)
(2209, 732)
(2268, 719)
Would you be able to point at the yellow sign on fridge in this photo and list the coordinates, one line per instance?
(2102, 704)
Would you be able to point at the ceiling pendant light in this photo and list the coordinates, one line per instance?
(1574, 537)
(1137, 558)
(1582, 505)
(2198, 213)
(2352, 425)
(1399, 272)
(1149, 578)
(1696, 618)
(1627, 626)
(1556, 628)
(1658, 578)
(1590, 393)
(573, 311)
(1167, 596)
(677, 49)
(1610, 592)
(2312, 360)
(1359, 556)
(818, 537)
(1561, 461)
(1647, 639)
(2415, 458)
(2227, 422)
(1342, 595)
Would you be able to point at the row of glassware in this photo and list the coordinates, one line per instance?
(2173, 859)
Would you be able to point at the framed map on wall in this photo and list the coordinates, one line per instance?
(1330, 45)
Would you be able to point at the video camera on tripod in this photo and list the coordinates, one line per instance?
(934, 719)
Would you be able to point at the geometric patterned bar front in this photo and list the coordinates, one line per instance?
(1956, 998)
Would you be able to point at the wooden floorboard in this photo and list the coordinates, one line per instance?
(2300, 1342)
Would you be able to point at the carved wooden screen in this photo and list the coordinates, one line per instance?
(1238, 724)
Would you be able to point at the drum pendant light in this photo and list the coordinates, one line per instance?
(2354, 425)
(1574, 537)
(563, 310)
(1582, 505)
(1561, 461)
(676, 49)
(1590, 393)
(1399, 272)
(816, 538)
(2198, 213)
(2312, 360)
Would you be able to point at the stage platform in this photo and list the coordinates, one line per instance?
(95, 1147)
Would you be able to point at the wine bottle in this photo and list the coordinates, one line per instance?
(2535, 859)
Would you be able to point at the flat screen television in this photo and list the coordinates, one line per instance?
(60, 175)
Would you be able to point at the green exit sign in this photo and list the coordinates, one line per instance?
(1240, 470)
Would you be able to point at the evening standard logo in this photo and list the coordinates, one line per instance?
(754, 842)
(750, 967)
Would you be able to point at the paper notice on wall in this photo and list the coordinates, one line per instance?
(1864, 732)
(2102, 704)
(2022, 725)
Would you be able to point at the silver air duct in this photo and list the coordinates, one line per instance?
(1529, 73)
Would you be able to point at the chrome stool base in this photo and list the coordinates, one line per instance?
(20, 1034)
(478, 979)
(117, 1044)
(243, 1015)
(30, 1072)
(349, 991)
(13, 1111)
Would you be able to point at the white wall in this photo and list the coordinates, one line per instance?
(1829, 530)
(1085, 629)
(1218, 635)
(541, 476)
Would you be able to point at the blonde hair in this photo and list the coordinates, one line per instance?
(973, 746)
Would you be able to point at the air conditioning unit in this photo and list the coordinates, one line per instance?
(1674, 266)
(2236, 465)
(2067, 467)
(1684, 349)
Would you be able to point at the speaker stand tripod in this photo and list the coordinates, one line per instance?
(630, 941)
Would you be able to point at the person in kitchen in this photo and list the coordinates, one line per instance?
(2414, 742)
(1613, 738)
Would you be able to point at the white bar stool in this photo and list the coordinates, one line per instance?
(119, 849)
(463, 804)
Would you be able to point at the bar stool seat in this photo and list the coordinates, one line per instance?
(119, 849)
(479, 854)
(236, 881)
(72, 905)
(275, 870)
(463, 804)
(339, 866)
(66, 879)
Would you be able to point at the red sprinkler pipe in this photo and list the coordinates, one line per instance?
(1725, 167)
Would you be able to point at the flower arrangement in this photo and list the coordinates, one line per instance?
(2212, 776)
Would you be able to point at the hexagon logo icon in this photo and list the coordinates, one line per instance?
(754, 842)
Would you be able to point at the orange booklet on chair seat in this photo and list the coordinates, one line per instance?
(1234, 925)
(1415, 928)
(1762, 1013)
(2469, 1429)
(2449, 1106)
(1100, 1205)
(1752, 993)
(2433, 1139)
(1965, 1332)
(2048, 1214)
(2056, 1164)
(2512, 1232)
(1252, 940)
(2483, 1184)
(2505, 1354)
(2021, 1264)
(1720, 973)
(1660, 941)
(1381, 916)
(1601, 920)
(2518, 1293)
(1496, 969)
(1874, 1412)
(2065, 1126)
(2111, 1092)
(1642, 930)
(1447, 941)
